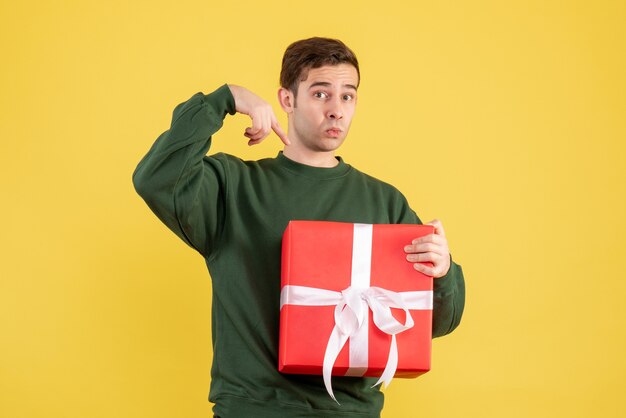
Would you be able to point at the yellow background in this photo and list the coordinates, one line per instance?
(506, 120)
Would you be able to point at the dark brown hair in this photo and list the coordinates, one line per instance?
(315, 52)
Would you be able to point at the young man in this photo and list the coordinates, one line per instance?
(233, 212)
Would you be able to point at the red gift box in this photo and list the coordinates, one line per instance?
(351, 304)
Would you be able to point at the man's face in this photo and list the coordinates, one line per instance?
(324, 107)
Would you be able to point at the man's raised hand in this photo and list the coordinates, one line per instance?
(261, 113)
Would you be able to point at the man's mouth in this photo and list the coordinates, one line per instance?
(333, 132)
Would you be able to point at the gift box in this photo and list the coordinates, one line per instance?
(351, 304)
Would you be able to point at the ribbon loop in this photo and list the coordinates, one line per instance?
(381, 301)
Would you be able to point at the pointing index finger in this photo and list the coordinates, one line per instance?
(281, 134)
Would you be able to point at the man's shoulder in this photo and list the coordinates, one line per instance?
(239, 163)
(375, 182)
(386, 196)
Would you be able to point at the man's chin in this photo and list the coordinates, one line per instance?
(329, 144)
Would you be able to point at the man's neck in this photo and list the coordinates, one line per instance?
(312, 158)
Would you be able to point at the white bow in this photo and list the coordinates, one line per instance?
(351, 312)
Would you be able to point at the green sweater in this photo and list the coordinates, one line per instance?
(233, 213)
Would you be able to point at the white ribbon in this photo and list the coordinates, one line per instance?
(351, 311)
(352, 307)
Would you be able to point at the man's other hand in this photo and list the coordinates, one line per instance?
(263, 118)
(432, 248)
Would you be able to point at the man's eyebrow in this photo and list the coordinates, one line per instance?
(327, 84)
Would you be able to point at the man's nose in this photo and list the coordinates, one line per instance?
(334, 110)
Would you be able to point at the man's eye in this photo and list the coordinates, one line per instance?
(320, 95)
(348, 97)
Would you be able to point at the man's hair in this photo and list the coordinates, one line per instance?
(315, 52)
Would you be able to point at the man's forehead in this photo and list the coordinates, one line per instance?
(328, 75)
(314, 84)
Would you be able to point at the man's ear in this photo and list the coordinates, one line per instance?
(286, 99)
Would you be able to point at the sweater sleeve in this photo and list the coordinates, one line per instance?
(184, 189)
(448, 300)
(448, 291)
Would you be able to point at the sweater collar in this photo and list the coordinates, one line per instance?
(310, 171)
